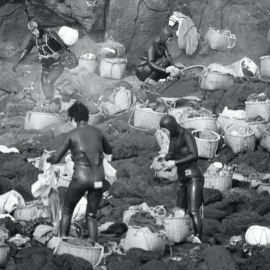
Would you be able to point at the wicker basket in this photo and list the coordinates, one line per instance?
(121, 103)
(4, 235)
(128, 214)
(254, 109)
(178, 113)
(213, 80)
(221, 183)
(94, 119)
(201, 123)
(64, 180)
(4, 251)
(177, 229)
(193, 71)
(147, 241)
(265, 141)
(207, 148)
(92, 254)
(240, 144)
(258, 128)
(40, 120)
(66, 105)
(113, 68)
(265, 66)
(224, 121)
(221, 40)
(146, 120)
(32, 210)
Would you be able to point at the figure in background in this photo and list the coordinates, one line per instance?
(183, 154)
(87, 145)
(49, 44)
(155, 62)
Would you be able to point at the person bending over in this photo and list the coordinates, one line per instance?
(87, 145)
(155, 62)
(48, 44)
(183, 153)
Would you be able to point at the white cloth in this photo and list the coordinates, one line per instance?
(110, 171)
(80, 209)
(5, 149)
(10, 201)
(221, 69)
(46, 181)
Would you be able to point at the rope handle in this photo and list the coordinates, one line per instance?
(155, 211)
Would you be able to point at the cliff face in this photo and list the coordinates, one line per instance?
(133, 22)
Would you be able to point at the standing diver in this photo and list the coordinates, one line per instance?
(183, 153)
(156, 62)
(87, 145)
(48, 44)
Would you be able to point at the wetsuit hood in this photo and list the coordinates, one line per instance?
(169, 122)
(165, 34)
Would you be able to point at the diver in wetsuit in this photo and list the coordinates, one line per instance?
(183, 153)
(48, 44)
(156, 62)
(87, 145)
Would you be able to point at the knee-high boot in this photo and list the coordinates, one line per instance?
(197, 223)
(92, 227)
(65, 225)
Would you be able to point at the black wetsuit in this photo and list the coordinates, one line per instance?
(87, 145)
(48, 47)
(183, 149)
(153, 62)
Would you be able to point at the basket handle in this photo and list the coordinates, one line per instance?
(230, 46)
(100, 257)
(63, 118)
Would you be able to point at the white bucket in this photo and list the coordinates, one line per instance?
(89, 64)
(250, 65)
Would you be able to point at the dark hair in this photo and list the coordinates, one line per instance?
(79, 112)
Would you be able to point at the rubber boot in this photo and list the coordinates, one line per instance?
(197, 224)
(92, 228)
(65, 224)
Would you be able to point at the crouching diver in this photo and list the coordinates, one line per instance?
(49, 44)
(183, 153)
(156, 62)
(87, 145)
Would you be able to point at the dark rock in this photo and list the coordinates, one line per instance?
(211, 212)
(263, 209)
(141, 255)
(131, 264)
(219, 258)
(210, 227)
(159, 265)
(211, 195)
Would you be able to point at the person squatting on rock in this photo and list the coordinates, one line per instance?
(48, 44)
(183, 153)
(156, 62)
(87, 145)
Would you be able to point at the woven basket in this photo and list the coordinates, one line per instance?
(221, 40)
(92, 254)
(193, 71)
(254, 109)
(224, 121)
(94, 119)
(66, 105)
(4, 234)
(240, 144)
(177, 229)
(206, 148)
(212, 80)
(258, 128)
(265, 141)
(63, 181)
(147, 241)
(265, 66)
(145, 119)
(40, 120)
(221, 183)
(113, 68)
(128, 214)
(201, 123)
(121, 104)
(32, 210)
(4, 251)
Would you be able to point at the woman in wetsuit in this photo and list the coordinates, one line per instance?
(87, 145)
(156, 62)
(48, 44)
(183, 153)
